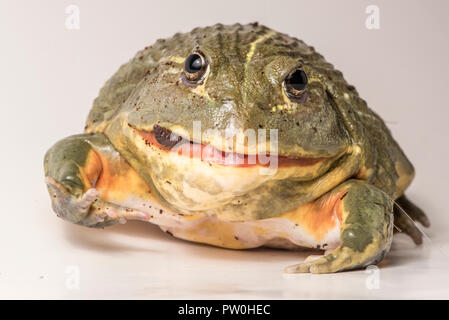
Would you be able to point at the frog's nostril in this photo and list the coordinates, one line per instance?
(165, 137)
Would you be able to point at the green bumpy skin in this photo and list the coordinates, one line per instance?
(113, 171)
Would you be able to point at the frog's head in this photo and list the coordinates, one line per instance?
(219, 82)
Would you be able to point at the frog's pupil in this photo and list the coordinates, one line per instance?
(297, 80)
(194, 63)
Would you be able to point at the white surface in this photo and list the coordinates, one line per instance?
(138, 261)
(50, 76)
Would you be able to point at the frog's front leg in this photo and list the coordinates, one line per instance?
(366, 217)
(86, 176)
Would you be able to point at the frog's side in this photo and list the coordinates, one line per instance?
(336, 194)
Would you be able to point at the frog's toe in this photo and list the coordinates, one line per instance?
(404, 205)
(313, 257)
(103, 214)
(406, 225)
(66, 205)
(88, 209)
(310, 265)
(337, 260)
(313, 265)
(87, 199)
(77, 209)
(97, 217)
(306, 266)
(406, 214)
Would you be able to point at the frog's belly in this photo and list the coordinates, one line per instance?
(315, 225)
(274, 232)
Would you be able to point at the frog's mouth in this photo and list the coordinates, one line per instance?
(167, 141)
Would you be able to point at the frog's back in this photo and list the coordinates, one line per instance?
(384, 163)
(394, 172)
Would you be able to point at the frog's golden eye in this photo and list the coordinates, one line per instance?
(194, 67)
(295, 85)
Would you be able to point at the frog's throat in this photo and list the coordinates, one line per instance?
(157, 166)
(188, 148)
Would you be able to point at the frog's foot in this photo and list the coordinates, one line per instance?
(366, 215)
(405, 215)
(88, 209)
(340, 259)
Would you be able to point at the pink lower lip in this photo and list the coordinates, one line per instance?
(210, 154)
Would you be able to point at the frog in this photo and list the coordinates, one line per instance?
(167, 141)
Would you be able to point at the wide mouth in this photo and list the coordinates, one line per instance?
(167, 141)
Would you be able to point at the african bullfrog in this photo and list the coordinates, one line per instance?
(238, 136)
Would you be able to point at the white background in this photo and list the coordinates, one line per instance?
(49, 77)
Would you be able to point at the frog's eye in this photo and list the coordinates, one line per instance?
(195, 66)
(295, 84)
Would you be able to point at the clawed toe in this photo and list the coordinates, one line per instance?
(406, 215)
(312, 264)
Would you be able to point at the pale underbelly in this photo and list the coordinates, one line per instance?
(272, 232)
(284, 231)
